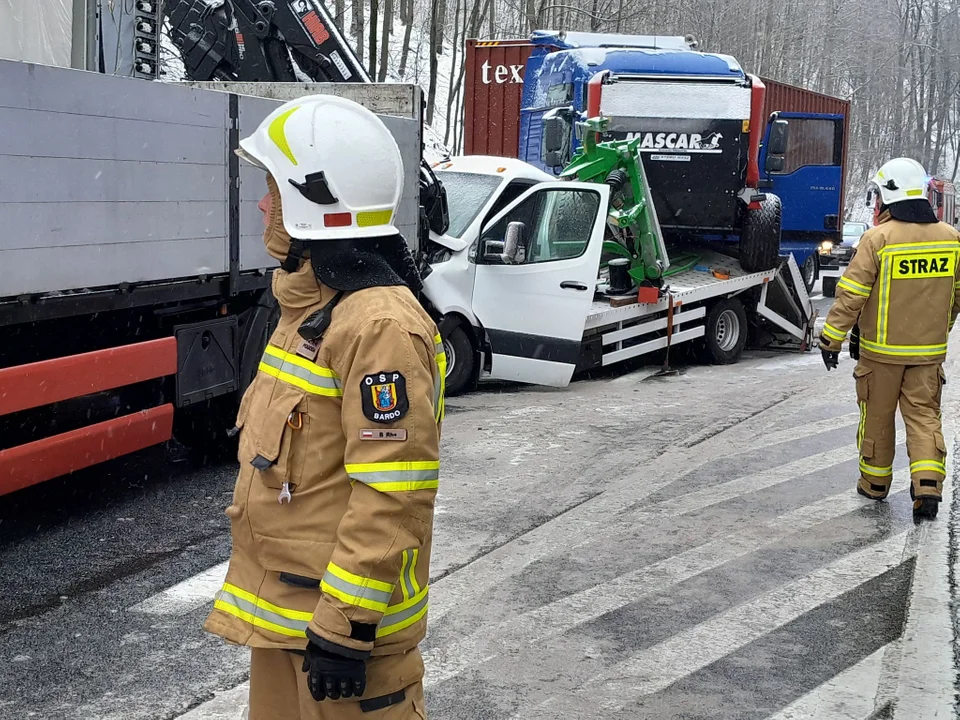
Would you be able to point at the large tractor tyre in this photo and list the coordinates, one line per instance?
(810, 271)
(461, 361)
(725, 332)
(206, 427)
(830, 286)
(760, 236)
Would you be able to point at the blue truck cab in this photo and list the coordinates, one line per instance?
(716, 160)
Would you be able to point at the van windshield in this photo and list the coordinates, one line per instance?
(467, 194)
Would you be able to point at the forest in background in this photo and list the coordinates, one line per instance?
(897, 61)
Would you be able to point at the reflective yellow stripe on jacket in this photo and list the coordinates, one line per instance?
(401, 476)
(356, 590)
(440, 386)
(260, 613)
(300, 372)
(853, 286)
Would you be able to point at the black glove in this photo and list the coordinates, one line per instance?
(831, 358)
(333, 671)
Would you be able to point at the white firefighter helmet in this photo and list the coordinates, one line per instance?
(337, 166)
(901, 179)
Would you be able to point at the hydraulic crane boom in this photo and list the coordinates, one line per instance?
(280, 41)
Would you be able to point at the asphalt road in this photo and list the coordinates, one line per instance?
(628, 547)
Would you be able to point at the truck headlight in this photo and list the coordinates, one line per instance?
(825, 247)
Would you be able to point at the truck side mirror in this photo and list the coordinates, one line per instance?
(552, 134)
(555, 138)
(774, 164)
(779, 137)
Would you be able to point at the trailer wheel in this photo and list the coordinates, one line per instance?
(461, 360)
(810, 271)
(830, 286)
(725, 331)
(760, 236)
(206, 426)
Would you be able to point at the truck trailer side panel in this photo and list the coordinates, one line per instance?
(110, 180)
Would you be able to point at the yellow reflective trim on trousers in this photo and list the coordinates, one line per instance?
(295, 370)
(355, 589)
(831, 332)
(278, 134)
(397, 476)
(928, 466)
(879, 472)
(904, 350)
(403, 615)
(854, 287)
(863, 423)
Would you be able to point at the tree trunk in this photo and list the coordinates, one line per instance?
(385, 39)
(339, 11)
(434, 52)
(374, 12)
(406, 17)
(356, 28)
(453, 66)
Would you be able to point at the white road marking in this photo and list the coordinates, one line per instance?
(848, 696)
(581, 607)
(228, 705)
(924, 686)
(818, 296)
(658, 667)
(192, 593)
(715, 494)
(592, 519)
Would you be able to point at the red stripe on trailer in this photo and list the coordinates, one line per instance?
(51, 457)
(49, 381)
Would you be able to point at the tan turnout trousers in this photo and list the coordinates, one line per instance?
(278, 689)
(917, 389)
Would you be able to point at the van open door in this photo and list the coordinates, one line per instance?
(537, 264)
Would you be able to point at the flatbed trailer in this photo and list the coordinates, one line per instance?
(134, 284)
(631, 329)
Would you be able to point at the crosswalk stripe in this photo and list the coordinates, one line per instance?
(658, 667)
(851, 695)
(700, 499)
(192, 593)
(228, 705)
(581, 607)
(461, 588)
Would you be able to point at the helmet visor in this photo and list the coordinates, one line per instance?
(244, 155)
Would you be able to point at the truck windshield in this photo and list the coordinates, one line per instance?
(467, 193)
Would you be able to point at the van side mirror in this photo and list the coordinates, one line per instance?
(512, 250)
(779, 137)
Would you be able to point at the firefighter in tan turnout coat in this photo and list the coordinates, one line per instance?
(339, 460)
(901, 289)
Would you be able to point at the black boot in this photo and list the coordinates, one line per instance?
(924, 508)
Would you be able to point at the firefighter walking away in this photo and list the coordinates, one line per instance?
(332, 514)
(900, 289)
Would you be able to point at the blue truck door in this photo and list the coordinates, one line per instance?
(811, 182)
